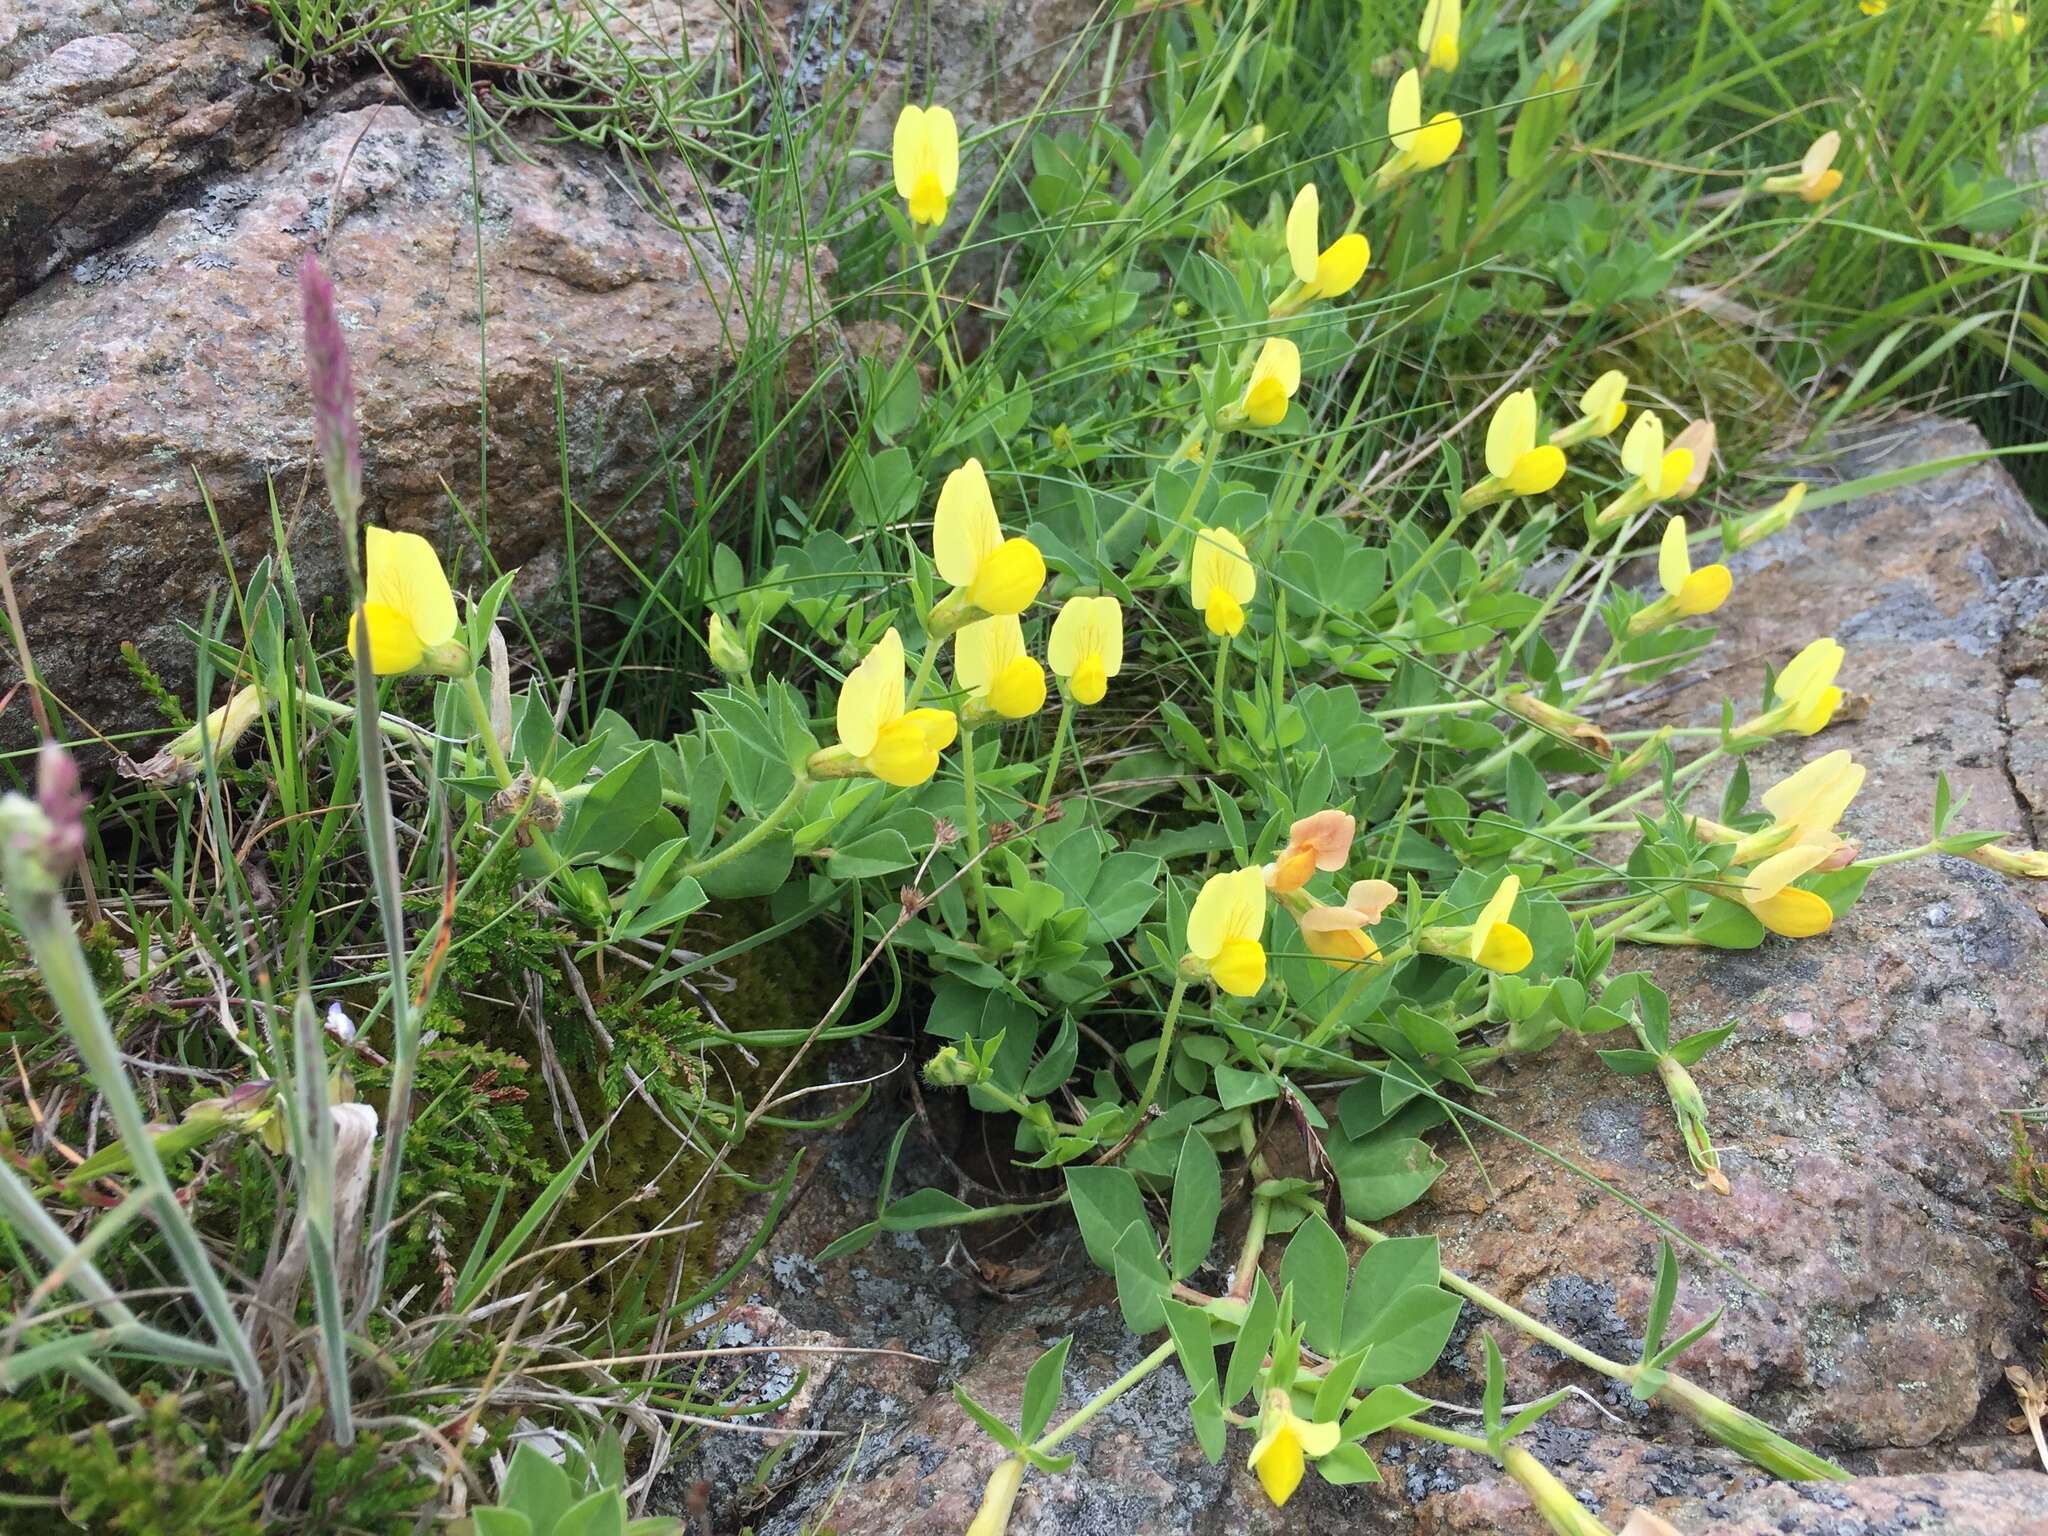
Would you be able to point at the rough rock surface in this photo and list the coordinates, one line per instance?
(175, 359)
(1875, 1288)
(110, 112)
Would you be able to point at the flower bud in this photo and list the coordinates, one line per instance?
(950, 1069)
(2024, 863)
(727, 651)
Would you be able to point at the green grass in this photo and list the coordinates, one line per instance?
(1075, 330)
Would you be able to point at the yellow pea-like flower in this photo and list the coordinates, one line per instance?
(1873, 7)
(926, 159)
(1697, 438)
(1438, 37)
(1276, 375)
(1221, 580)
(1321, 841)
(1512, 452)
(1495, 942)
(1779, 905)
(1816, 180)
(1086, 646)
(876, 735)
(1805, 806)
(992, 667)
(989, 573)
(1418, 146)
(408, 611)
(1337, 934)
(1660, 472)
(1688, 593)
(1325, 273)
(1806, 695)
(1225, 927)
(1286, 1443)
(1602, 408)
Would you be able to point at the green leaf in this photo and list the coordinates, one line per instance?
(535, 1487)
(1693, 1047)
(1316, 1266)
(1631, 1063)
(1382, 1406)
(761, 871)
(1254, 1339)
(602, 1514)
(1057, 1064)
(1106, 1202)
(1211, 1432)
(1042, 1385)
(1661, 1298)
(1389, 1269)
(1496, 1391)
(1197, 1202)
(1142, 1284)
(879, 853)
(1728, 925)
(1194, 1342)
(1379, 1177)
(1531, 1412)
(1347, 1465)
(1236, 1088)
(1337, 1383)
(1841, 888)
(992, 1426)
(496, 1520)
(616, 807)
(1409, 1335)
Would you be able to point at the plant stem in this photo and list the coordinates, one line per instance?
(940, 330)
(480, 714)
(1104, 1398)
(1180, 990)
(973, 827)
(733, 847)
(1222, 679)
(1059, 741)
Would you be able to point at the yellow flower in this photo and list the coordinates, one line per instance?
(1805, 806)
(1512, 453)
(989, 573)
(1438, 38)
(407, 608)
(1773, 518)
(1779, 905)
(1286, 1442)
(1805, 691)
(1816, 179)
(1601, 409)
(1873, 7)
(1657, 474)
(1224, 929)
(1086, 647)
(1491, 940)
(1276, 375)
(876, 735)
(927, 162)
(1337, 934)
(1221, 580)
(2004, 21)
(991, 665)
(1497, 943)
(1418, 146)
(1697, 438)
(1321, 841)
(1328, 275)
(1688, 593)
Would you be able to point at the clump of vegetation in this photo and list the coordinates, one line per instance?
(1203, 695)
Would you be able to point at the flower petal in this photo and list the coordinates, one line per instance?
(1674, 560)
(403, 572)
(1304, 233)
(964, 529)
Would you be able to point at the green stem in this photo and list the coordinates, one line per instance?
(1101, 1400)
(924, 670)
(480, 716)
(333, 709)
(1059, 741)
(1190, 515)
(940, 331)
(973, 828)
(733, 847)
(1898, 856)
(1180, 990)
(1222, 680)
(1442, 1436)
